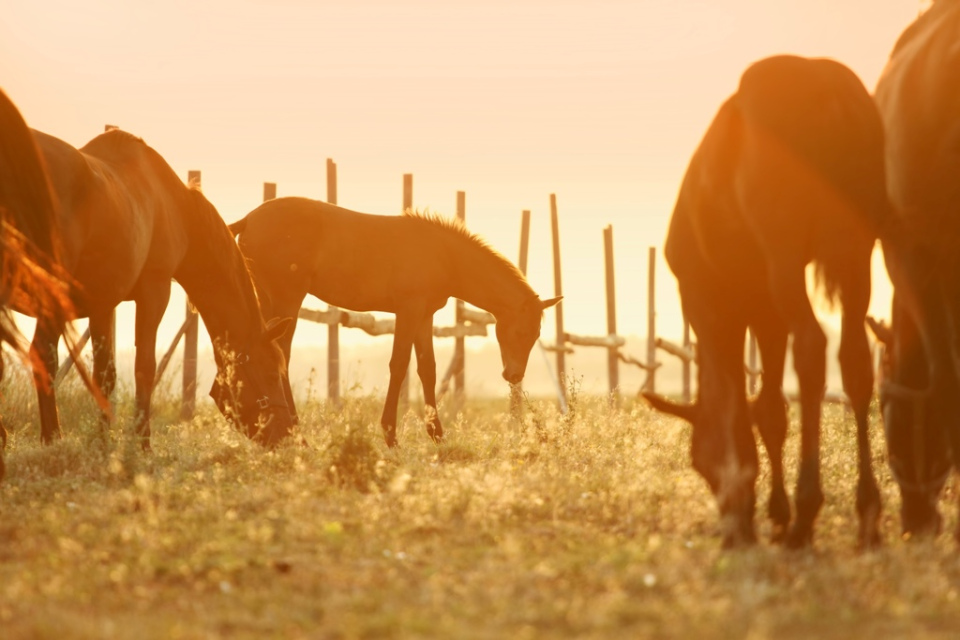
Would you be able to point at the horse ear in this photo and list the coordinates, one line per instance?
(686, 411)
(546, 304)
(277, 328)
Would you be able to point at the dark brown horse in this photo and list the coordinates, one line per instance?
(919, 99)
(29, 245)
(789, 173)
(128, 225)
(408, 265)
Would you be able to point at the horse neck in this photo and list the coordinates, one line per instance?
(487, 280)
(217, 282)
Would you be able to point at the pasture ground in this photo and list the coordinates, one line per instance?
(591, 525)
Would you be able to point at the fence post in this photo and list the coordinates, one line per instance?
(269, 191)
(752, 363)
(516, 391)
(405, 384)
(190, 337)
(459, 349)
(651, 321)
(333, 330)
(613, 360)
(686, 363)
(558, 309)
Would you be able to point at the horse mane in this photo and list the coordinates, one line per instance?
(455, 228)
(219, 246)
(933, 12)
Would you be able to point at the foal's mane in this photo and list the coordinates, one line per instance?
(456, 229)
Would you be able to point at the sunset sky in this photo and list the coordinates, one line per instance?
(600, 102)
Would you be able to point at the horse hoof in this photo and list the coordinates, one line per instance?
(869, 541)
(799, 539)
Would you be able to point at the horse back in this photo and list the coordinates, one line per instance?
(118, 212)
(357, 261)
(919, 99)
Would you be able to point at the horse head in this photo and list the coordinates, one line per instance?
(517, 332)
(250, 387)
(725, 456)
(915, 403)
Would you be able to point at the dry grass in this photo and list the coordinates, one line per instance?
(588, 526)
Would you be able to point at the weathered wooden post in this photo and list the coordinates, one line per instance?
(269, 191)
(558, 309)
(752, 363)
(686, 363)
(405, 384)
(333, 329)
(516, 391)
(459, 349)
(651, 321)
(613, 359)
(191, 335)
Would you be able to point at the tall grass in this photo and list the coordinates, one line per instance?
(585, 525)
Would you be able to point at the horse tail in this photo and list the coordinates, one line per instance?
(236, 228)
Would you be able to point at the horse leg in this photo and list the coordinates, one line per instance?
(770, 416)
(427, 370)
(3, 430)
(44, 348)
(150, 309)
(789, 290)
(857, 371)
(102, 343)
(285, 342)
(403, 337)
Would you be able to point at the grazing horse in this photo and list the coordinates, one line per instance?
(29, 246)
(918, 96)
(128, 225)
(789, 173)
(408, 265)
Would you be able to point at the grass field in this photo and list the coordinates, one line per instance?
(590, 525)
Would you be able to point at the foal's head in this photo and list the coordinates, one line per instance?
(249, 387)
(517, 332)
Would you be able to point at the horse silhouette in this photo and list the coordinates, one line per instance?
(408, 265)
(789, 173)
(128, 225)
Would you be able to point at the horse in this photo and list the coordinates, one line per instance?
(790, 172)
(408, 265)
(918, 98)
(128, 225)
(29, 245)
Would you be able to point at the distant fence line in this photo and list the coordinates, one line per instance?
(473, 322)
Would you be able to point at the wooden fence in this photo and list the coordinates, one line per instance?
(473, 322)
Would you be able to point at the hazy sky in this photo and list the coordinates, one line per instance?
(601, 102)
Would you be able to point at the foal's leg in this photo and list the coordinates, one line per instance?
(277, 305)
(770, 416)
(403, 337)
(44, 348)
(857, 370)
(789, 290)
(427, 369)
